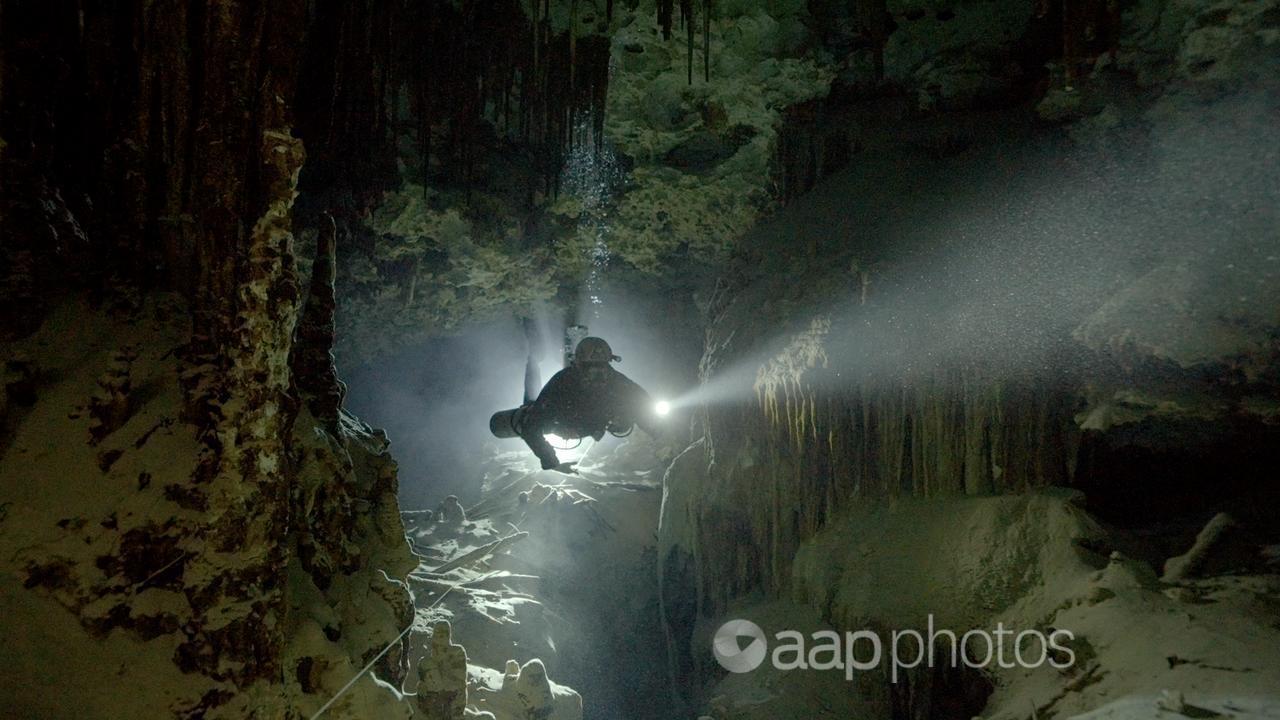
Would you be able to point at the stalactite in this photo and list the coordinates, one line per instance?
(812, 443)
(474, 68)
(686, 17)
(1089, 29)
(706, 40)
(665, 8)
(873, 16)
(1071, 31)
(573, 46)
(810, 146)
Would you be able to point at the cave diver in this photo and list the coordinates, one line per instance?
(586, 399)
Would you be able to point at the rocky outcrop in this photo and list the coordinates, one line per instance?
(283, 527)
(156, 565)
(951, 567)
(702, 148)
(434, 263)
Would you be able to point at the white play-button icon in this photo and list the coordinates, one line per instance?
(729, 651)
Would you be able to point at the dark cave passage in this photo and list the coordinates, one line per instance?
(911, 360)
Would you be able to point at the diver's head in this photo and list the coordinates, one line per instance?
(593, 352)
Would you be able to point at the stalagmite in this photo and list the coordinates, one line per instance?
(311, 358)
(451, 511)
(442, 676)
(527, 693)
(1182, 567)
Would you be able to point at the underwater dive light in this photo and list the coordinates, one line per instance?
(662, 407)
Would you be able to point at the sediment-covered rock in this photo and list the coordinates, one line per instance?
(124, 555)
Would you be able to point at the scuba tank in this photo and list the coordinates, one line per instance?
(506, 423)
(533, 347)
(572, 336)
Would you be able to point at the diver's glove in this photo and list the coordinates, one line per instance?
(553, 463)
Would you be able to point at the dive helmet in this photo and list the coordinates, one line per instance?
(593, 350)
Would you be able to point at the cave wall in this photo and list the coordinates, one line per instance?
(769, 474)
(163, 133)
(149, 147)
(193, 176)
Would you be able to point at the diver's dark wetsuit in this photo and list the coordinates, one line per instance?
(584, 400)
